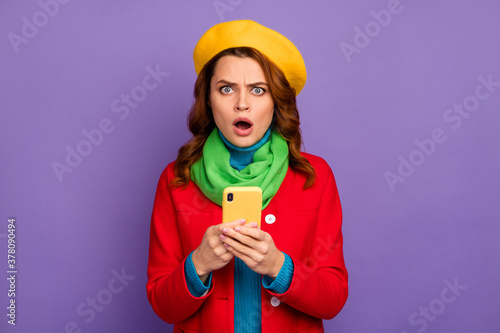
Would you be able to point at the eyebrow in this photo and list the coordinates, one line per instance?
(253, 84)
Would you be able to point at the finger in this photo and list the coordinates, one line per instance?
(235, 223)
(259, 240)
(252, 225)
(248, 254)
(249, 261)
(238, 236)
(254, 233)
(217, 229)
(237, 252)
(235, 244)
(230, 225)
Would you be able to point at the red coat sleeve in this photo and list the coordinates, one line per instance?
(166, 288)
(319, 283)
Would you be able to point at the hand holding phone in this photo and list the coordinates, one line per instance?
(254, 247)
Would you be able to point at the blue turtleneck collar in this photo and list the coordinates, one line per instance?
(241, 157)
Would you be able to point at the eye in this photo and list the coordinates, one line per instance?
(226, 90)
(258, 90)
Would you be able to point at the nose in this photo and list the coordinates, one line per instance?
(242, 103)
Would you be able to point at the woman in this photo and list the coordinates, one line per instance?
(288, 275)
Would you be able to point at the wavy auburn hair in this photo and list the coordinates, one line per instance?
(201, 121)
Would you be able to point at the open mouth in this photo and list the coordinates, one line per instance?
(242, 126)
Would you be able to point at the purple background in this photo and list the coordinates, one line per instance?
(402, 246)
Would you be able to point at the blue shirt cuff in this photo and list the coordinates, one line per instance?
(284, 279)
(195, 286)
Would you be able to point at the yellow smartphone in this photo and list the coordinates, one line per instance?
(242, 203)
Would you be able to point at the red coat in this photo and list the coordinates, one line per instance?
(305, 224)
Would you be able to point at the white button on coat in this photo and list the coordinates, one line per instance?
(270, 218)
(275, 302)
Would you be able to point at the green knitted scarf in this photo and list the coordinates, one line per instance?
(213, 173)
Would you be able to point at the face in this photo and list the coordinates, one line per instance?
(240, 100)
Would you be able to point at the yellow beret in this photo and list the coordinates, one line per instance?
(249, 33)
